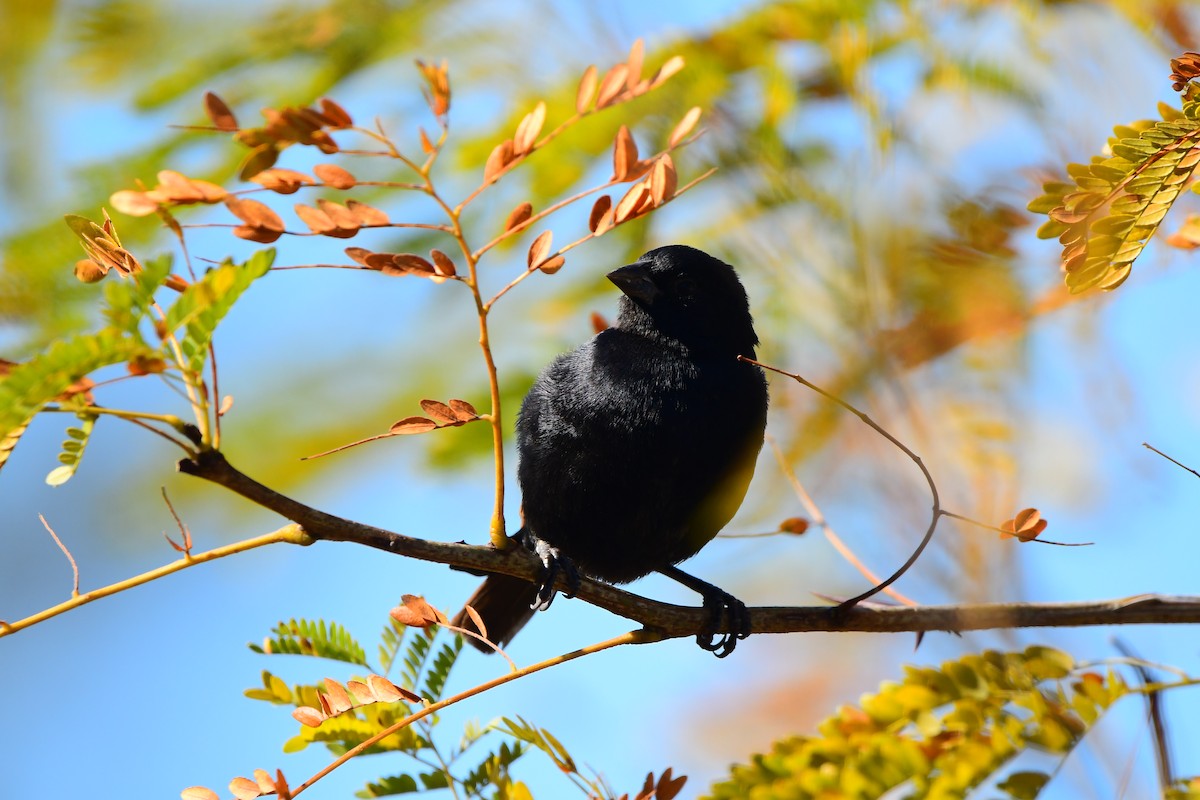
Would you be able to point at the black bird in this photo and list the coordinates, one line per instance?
(636, 448)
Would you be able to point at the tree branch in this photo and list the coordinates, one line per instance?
(670, 621)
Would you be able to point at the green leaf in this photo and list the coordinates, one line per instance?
(128, 300)
(73, 447)
(314, 638)
(397, 784)
(29, 387)
(439, 671)
(202, 306)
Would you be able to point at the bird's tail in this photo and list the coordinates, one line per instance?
(504, 603)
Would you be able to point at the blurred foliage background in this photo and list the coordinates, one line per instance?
(874, 161)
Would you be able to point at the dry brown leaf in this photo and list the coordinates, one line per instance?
(672, 66)
(663, 180)
(443, 264)
(625, 153)
(501, 155)
(528, 129)
(602, 205)
(308, 716)
(668, 789)
(335, 176)
(388, 692)
(360, 255)
(282, 790)
(254, 214)
(264, 781)
(426, 145)
(634, 64)
(316, 219)
(586, 90)
(253, 234)
(411, 262)
(684, 127)
(518, 216)
(477, 620)
(796, 525)
(339, 700)
(367, 215)
(606, 222)
(244, 789)
(416, 612)
(463, 410)
(362, 693)
(89, 271)
(540, 248)
(612, 85)
(262, 157)
(220, 114)
(631, 202)
(413, 425)
(337, 116)
(283, 181)
(552, 265)
(342, 216)
(135, 204)
(1027, 525)
(198, 793)
(440, 412)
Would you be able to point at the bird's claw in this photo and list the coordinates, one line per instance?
(553, 563)
(722, 605)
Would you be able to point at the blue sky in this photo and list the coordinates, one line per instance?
(140, 694)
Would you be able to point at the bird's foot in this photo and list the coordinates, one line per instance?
(720, 606)
(553, 563)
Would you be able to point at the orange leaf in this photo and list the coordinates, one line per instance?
(335, 176)
(339, 701)
(244, 789)
(672, 66)
(341, 216)
(254, 214)
(463, 410)
(631, 202)
(684, 127)
(599, 208)
(316, 219)
(135, 204)
(282, 791)
(426, 145)
(387, 692)
(796, 525)
(606, 222)
(198, 793)
(528, 129)
(382, 262)
(663, 180)
(222, 118)
(540, 248)
(413, 425)
(440, 412)
(634, 63)
(612, 85)
(552, 265)
(625, 153)
(443, 264)
(415, 612)
(367, 215)
(518, 216)
(599, 323)
(264, 780)
(411, 262)
(283, 181)
(359, 255)
(587, 89)
(308, 716)
(336, 115)
(478, 620)
(498, 160)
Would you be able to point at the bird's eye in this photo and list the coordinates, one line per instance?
(686, 288)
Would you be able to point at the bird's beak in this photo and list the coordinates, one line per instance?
(634, 280)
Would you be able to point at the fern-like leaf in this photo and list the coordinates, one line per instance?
(1111, 207)
(943, 731)
(29, 387)
(314, 638)
(439, 670)
(202, 306)
(493, 771)
(416, 655)
(390, 641)
(72, 449)
(392, 785)
(541, 739)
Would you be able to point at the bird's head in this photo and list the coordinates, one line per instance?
(686, 295)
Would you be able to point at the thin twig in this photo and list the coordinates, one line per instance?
(633, 637)
(1013, 534)
(1173, 461)
(184, 533)
(1158, 723)
(937, 508)
(292, 534)
(67, 553)
(831, 536)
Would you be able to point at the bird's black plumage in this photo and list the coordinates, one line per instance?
(636, 448)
